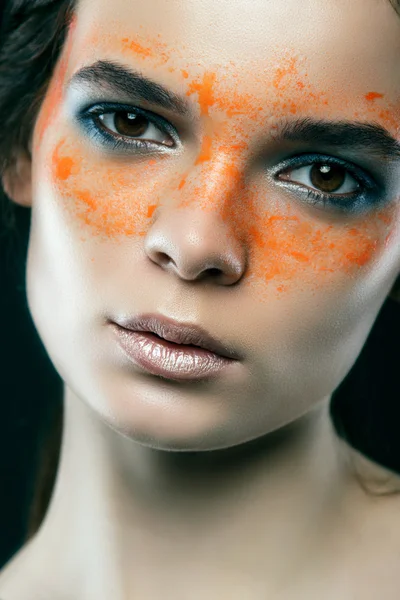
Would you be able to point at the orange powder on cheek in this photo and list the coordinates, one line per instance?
(104, 198)
(291, 246)
(63, 166)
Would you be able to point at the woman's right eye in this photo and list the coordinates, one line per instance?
(133, 125)
(125, 128)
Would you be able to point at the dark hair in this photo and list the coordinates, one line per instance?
(32, 35)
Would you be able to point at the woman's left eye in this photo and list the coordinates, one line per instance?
(330, 182)
(134, 125)
(325, 178)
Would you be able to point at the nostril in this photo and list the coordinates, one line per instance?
(214, 272)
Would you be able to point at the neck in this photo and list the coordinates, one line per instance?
(146, 515)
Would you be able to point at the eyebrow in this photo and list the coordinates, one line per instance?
(349, 134)
(345, 134)
(127, 81)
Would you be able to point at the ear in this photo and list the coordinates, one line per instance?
(17, 180)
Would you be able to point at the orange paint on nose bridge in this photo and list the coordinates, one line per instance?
(221, 179)
(205, 91)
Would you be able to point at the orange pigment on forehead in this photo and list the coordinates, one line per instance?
(287, 86)
(152, 49)
(285, 72)
(137, 48)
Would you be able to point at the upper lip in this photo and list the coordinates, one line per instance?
(180, 333)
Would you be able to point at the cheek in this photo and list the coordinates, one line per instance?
(108, 201)
(293, 249)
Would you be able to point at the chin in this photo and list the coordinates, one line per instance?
(159, 415)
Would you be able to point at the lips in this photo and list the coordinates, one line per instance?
(178, 333)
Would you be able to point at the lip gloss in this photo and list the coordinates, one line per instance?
(170, 360)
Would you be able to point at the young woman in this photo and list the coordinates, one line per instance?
(215, 195)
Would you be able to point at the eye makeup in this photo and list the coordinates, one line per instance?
(90, 120)
(367, 194)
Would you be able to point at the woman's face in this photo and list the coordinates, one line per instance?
(257, 196)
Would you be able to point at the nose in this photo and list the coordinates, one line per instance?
(195, 239)
(195, 245)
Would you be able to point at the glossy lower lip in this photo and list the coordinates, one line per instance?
(172, 361)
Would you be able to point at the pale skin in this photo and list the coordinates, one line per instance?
(272, 504)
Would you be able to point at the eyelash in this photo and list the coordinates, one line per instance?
(89, 118)
(367, 195)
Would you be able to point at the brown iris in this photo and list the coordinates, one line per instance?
(327, 178)
(130, 124)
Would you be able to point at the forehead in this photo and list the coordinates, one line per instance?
(344, 47)
(239, 30)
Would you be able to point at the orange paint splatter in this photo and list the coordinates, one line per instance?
(150, 210)
(205, 92)
(205, 152)
(184, 73)
(373, 96)
(137, 48)
(86, 198)
(282, 74)
(154, 49)
(63, 166)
